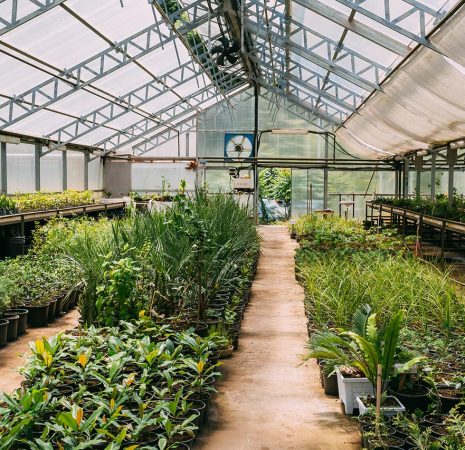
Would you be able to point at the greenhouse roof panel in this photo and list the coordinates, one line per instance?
(75, 66)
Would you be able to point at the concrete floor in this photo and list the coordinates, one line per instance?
(13, 355)
(267, 400)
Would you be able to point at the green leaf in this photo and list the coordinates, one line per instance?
(66, 419)
(162, 443)
(391, 338)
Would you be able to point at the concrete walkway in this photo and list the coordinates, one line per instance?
(13, 356)
(267, 401)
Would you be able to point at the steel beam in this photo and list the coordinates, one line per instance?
(13, 12)
(305, 81)
(421, 12)
(158, 139)
(297, 108)
(168, 114)
(330, 113)
(99, 65)
(312, 116)
(355, 26)
(135, 98)
(185, 125)
(205, 59)
(358, 65)
(333, 90)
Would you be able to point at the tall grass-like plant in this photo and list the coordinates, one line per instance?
(336, 284)
(184, 255)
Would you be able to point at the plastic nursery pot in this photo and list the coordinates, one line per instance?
(226, 352)
(13, 320)
(201, 329)
(448, 396)
(22, 323)
(65, 305)
(419, 400)
(330, 385)
(3, 332)
(391, 442)
(51, 310)
(37, 315)
(59, 305)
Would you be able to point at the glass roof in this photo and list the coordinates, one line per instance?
(108, 73)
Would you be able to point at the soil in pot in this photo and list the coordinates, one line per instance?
(22, 323)
(439, 430)
(37, 315)
(449, 397)
(3, 332)
(51, 310)
(434, 419)
(13, 320)
(416, 397)
(388, 443)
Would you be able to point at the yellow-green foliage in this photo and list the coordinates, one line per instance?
(39, 201)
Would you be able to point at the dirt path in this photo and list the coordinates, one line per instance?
(266, 400)
(13, 355)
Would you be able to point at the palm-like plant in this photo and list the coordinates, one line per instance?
(365, 347)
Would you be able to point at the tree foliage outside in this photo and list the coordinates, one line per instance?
(275, 184)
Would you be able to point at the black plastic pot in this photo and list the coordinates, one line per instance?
(419, 401)
(367, 224)
(3, 332)
(37, 315)
(65, 304)
(22, 323)
(13, 320)
(14, 246)
(59, 305)
(330, 385)
(51, 310)
(447, 402)
(202, 329)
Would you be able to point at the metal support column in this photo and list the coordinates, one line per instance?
(451, 161)
(406, 176)
(255, 153)
(64, 160)
(418, 168)
(396, 183)
(433, 176)
(4, 168)
(325, 175)
(187, 144)
(37, 154)
(86, 170)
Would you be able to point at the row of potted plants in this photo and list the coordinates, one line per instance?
(405, 346)
(34, 290)
(439, 207)
(42, 201)
(186, 268)
(139, 385)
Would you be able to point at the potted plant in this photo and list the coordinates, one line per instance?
(374, 351)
